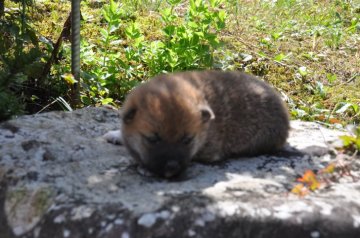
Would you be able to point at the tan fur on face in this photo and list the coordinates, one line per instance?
(163, 109)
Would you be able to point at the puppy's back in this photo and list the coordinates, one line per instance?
(250, 117)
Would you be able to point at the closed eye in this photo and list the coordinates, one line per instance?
(153, 139)
(187, 139)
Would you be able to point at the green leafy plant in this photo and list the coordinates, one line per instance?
(123, 57)
(22, 57)
(189, 45)
(105, 65)
(352, 142)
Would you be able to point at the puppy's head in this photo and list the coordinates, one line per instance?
(165, 123)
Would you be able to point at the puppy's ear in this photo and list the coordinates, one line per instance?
(206, 113)
(128, 115)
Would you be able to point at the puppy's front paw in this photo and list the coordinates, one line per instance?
(114, 137)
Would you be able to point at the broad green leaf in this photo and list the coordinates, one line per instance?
(167, 15)
(104, 33)
(192, 5)
(106, 101)
(105, 14)
(355, 107)
(280, 57)
(262, 54)
(200, 34)
(133, 31)
(331, 77)
(193, 24)
(347, 140)
(113, 6)
(169, 30)
(220, 24)
(34, 98)
(276, 35)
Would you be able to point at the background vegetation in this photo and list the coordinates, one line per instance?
(308, 50)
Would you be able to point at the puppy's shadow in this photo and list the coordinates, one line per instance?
(288, 152)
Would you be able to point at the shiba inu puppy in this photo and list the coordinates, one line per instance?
(202, 116)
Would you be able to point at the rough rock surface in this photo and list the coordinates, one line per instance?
(59, 178)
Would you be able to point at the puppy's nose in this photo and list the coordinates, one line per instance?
(172, 168)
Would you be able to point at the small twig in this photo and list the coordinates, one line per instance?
(245, 43)
(332, 111)
(64, 34)
(349, 80)
(323, 136)
(47, 106)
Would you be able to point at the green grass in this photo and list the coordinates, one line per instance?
(308, 50)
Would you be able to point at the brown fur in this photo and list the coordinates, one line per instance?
(204, 116)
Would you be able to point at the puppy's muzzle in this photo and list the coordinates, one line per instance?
(172, 168)
(168, 161)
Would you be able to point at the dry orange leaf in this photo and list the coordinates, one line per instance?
(300, 190)
(334, 121)
(329, 169)
(321, 118)
(309, 178)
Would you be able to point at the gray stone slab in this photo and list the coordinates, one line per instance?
(60, 178)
